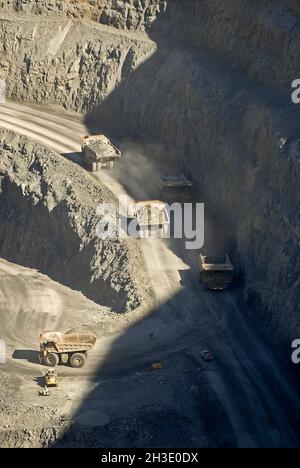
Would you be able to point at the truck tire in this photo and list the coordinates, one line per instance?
(94, 167)
(51, 360)
(77, 360)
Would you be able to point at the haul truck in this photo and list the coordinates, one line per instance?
(66, 348)
(98, 153)
(217, 273)
(176, 189)
(152, 218)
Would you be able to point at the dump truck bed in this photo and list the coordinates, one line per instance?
(68, 342)
(216, 272)
(99, 148)
(151, 213)
(210, 263)
(175, 181)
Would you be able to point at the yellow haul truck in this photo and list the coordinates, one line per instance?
(152, 217)
(98, 153)
(217, 273)
(66, 348)
(176, 189)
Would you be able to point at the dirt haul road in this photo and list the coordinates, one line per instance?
(245, 377)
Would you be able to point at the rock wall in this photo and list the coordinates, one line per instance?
(135, 15)
(48, 221)
(257, 38)
(65, 62)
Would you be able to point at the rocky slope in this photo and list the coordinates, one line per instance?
(48, 222)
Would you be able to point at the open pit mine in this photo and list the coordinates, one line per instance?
(149, 225)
